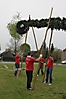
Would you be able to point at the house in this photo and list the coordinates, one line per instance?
(7, 56)
(63, 56)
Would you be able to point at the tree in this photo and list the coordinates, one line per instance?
(52, 48)
(46, 52)
(25, 48)
(11, 45)
(12, 30)
(57, 55)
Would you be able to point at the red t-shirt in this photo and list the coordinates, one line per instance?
(50, 63)
(17, 59)
(42, 62)
(30, 63)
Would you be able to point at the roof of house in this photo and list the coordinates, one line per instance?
(6, 53)
(64, 49)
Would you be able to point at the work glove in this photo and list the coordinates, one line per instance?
(41, 55)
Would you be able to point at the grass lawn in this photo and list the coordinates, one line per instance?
(15, 88)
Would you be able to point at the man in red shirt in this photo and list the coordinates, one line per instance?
(49, 70)
(41, 65)
(17, 64)
(29, 69)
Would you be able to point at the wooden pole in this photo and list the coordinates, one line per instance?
(24, 49)
(46, 31)
(34, 35)
(50, 41)
(35, 38)
(42, 47)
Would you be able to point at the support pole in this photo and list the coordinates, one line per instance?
(42, 47)
(34, 35)
(50, 41)
(24, 49)
(46, 31)
(35, 38)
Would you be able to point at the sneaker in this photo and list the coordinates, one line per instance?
(50, 84)
(44, 82)
(29, 88)
(37, 75)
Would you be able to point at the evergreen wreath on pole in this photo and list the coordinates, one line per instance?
(55, 23)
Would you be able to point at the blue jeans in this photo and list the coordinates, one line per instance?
(40, 68)
(49, 74)
(17, 67)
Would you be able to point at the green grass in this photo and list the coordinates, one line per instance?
(15, 88)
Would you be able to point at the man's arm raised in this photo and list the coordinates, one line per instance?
(40, 56)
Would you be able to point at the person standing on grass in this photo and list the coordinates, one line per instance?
(41, 65)
(49, 69)
(29, 69)
(17, 64)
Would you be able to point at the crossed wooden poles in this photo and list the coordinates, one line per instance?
(42, 47)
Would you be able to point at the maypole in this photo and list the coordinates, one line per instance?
(43, 47)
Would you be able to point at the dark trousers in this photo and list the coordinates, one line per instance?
(40, 68)
(49, 74)
(17, 67)
(29, 78)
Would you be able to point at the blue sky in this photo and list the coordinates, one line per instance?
(37, 9)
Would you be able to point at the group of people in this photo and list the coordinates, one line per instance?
(30, 67)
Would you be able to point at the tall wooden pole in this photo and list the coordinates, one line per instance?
(50, 41)
(46, 31)
(24, 49)
(35, 39)
(34, 35)
(42, 47)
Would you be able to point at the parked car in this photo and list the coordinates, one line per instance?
(63, 62)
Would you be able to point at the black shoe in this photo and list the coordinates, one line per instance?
(15, 73)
